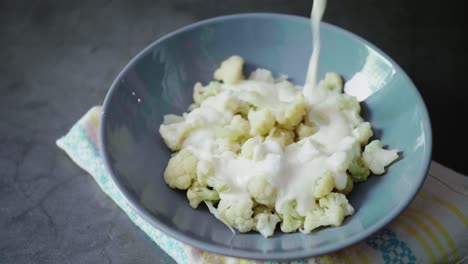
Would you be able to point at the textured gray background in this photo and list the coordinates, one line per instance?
(58, 58)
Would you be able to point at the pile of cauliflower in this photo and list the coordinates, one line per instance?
(243, 128)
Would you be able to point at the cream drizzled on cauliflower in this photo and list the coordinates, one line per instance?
(259, 153)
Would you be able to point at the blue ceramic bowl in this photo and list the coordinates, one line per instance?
(159, 81)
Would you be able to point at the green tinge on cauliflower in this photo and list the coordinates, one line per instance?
(330, 211)
(197, 194)
(230, 70)
(248, 147)
(291, 220)
(242, 108)
(348, 102)
(282, 136)
(261, 121)
(376, 158)
(304, 131)
(262, 191)
(358, 170)
(333, 82)
(181, 170)
(356, 167)
(324, 184)
(265, 221)
(237, 213)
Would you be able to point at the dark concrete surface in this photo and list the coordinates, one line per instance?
(58, 59)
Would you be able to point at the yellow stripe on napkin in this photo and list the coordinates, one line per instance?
(418, 236)
(415, 218)
(343, 255)
(448, 205)
(363, 259)
(440, 228)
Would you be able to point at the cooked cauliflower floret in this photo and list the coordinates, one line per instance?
(351, 147)
(330, 211)
(174, 132)
(265, 220)
(324, 184)
(262, 191)
(262, 75)
(350, 107)
(197, 194)
(261, 121)
(282, 136)
(285, 88)
(359, 171)
(376, 158)
(172, 119)
(237, 213)
(206, 177)
(349, 186)
(363, 132)
(249, 146)
(222, 104)
(181, 170)
(225, 144)
(200, 92)
(304, 131)
(291, 220)
(205, 170)
(239, 128)
(237, 106)
(242, 108)
(354, 118)
(290, 117)
(230, 70)
(346, 102)
(265, 148)
(333, 82)
(339, 162)
(216, 214)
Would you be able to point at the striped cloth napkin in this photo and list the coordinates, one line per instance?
(433, 229)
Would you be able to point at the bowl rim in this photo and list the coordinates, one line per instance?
(282, 256)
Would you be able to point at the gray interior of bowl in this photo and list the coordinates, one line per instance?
(160, 81)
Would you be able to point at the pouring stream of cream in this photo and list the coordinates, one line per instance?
(318, 9)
